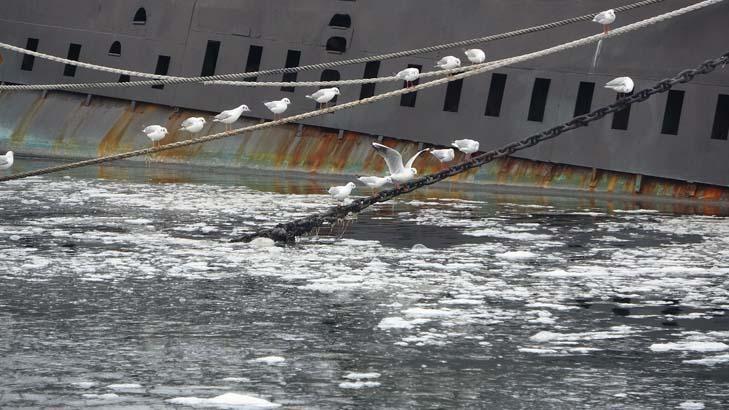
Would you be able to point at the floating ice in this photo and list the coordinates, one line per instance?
(710, 361)
(517, 255)
(270, 360)
(358, 385)
(690, 346)
(262, 243)
(359, 376)
(84, 385)
(226, 400)
(395, 323)
(124, 386)
(105, 396)
(691, 405)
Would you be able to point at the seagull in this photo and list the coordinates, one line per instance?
(443, 155)
(228, 117)
(408, 75)
(375, 182)
(399, 173)
(448, 62)
(6, 161)
(193, 124)
(623, 85)
(476, 55)
(324, 95)
(466, 146)
(605, 18)
(155, 133)
(277, 107)
(342, 192)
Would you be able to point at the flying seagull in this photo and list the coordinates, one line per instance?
(398, 172)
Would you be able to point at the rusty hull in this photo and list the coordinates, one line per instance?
(70, 126)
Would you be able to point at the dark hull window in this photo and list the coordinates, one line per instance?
(453, 96)
(140, 17)
(538, 104)
(341, 21)
(163, 66)
(253, 63)
(720, 130)
(496, 95)
(211, 58)
(115, 49)
(336, 44)
(672, 115)
(371, 70)
(408, 100)
(74, 51)
(28, 60)
(584, 98)
(293, 57)
(622, 117)
(124, 78)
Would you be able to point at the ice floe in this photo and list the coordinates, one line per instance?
(227, 400)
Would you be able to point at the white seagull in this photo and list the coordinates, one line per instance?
(622, 85)
(155, 133)
(476, 55)
(605, 18)
(6, 161)
(324, 95)
(341, 193)
(278, 107)
(193, 124)
(375, 182)
(443, 155)
(399, 173)
(228, 117)
(408, 75)
(448, 62)
(466, 146)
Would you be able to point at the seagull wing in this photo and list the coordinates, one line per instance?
(151, 128)
(413, 158)
(223, 115)
(188, 122)
(617, 82)
(4, 160)
(393, 159)
(271, 104)
(316, 95)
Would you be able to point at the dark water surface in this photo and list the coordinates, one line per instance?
(121, 291)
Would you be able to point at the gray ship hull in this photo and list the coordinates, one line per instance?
(693, 150)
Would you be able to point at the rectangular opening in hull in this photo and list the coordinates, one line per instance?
(293, 57)
(672, 115)
(211, 58)
(28, 60)
(720, 130)
(253, 63)
(538, 104)
(74, 51)
(163, 66)
(408, 100)
(496, 95)
(453, 96)
(371, 70)
(584, 98)
(622, 117)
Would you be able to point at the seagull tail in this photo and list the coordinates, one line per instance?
(309, 97)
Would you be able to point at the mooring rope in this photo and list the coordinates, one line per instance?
(471, 72)
(165, 80)
(288, 232)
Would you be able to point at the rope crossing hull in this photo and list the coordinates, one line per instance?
(288, 232)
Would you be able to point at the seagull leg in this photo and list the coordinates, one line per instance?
(605, 29)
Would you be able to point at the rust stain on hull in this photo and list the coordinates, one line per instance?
(21, 130)
(109, 143)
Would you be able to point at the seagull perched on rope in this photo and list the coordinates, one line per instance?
(399, 173)
(193, 124)
(277, 107)
(228, 117)
(476, 55)
(623, 85)
(466, 146)
(448, 62)
(155, 133)
(443, 155)
(375, 182)
(409, 75)
(605, 18)
(341, 193)
(6, 161)
(323, 96)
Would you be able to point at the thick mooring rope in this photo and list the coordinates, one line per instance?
(474, 70)
(164, 80)
(289, 231)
